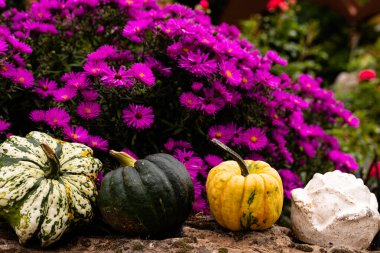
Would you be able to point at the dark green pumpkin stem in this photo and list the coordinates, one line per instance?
(123, 158)
(235, 156)
(53, 171)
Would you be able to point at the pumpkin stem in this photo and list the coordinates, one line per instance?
(235, 156)
(123, 158)
(53, 171)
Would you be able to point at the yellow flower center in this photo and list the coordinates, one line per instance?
(141, 75)
(218, 134)
(168, 30)
(87, 110)
(244, 80)
(275, 116)
(55, 120)
(40, 15)
(229, 50)
(129, 2)
(3, 68)
(228, 73)
(137, 29)
(64, 97)
(94, 143)
(185, 49)
(190, 101)
(253, 139)
(75, 136)
(21, 79)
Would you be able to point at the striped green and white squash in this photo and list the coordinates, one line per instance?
(46, 185)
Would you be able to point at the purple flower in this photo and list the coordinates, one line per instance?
(221, 133)
(189, 100)
(255, 138)
(23, 77)
(143, 73)
(171, 144)
(131, 3)
(76, 134)
(89, 95)
(97, 142)
(77, 80)
(213, 160)
(197, 86)
(230, 72)
(101, 53)
(64, 94)
(134, 30)
(57, 117)
(37, 116)
(3, 47)
(2, 4)
(198, 64)
(129, 152)
(19, 46)
(309, 150)
(200, 205)
(290, 181)
(120, 78)
(274, 57)
(254, 157)
(45, 87)
(19, 60)
(88, 110)
(7, 69)
(183, 155)
(138, 116)
(211, 104)
(237, 134)
(343, 161)
(3, 126)
(266, 78)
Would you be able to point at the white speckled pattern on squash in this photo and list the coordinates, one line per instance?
(39, 206)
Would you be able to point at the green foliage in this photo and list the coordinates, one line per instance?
(303, 37)
(363, 141)
(283, 32)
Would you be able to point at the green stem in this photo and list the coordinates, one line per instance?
(53, 171)
(235, 156)
(123, 158)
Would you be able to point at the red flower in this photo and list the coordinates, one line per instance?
(204, 4)
(375, 170)
(274, 4)
(367, 74)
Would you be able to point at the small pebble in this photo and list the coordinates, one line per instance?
(304, 247)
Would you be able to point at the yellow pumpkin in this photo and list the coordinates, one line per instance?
(244, 194)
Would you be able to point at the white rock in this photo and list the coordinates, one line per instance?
(335, 209)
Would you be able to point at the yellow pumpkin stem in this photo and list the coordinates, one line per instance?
(235, 156)
(53, 171)
(123, 158)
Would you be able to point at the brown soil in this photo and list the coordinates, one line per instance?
(199, 235)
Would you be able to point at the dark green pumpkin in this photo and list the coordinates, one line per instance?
(152, 196)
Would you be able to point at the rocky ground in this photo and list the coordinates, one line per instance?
(200, 235)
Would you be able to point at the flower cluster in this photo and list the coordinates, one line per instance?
(115, 73)
(283, 5)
